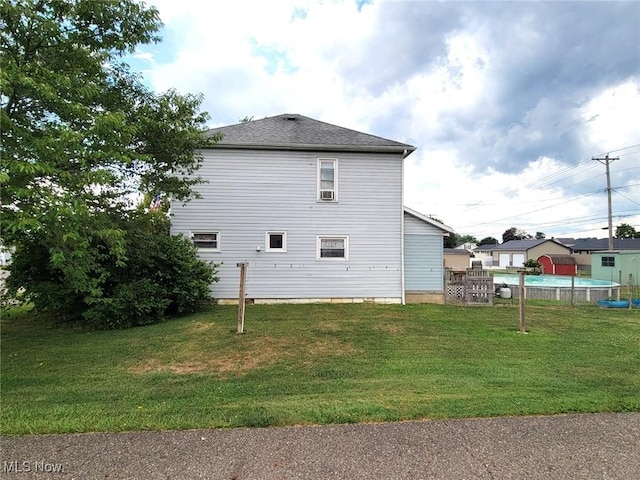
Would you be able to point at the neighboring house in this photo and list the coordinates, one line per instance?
(582, 250)
(482, 253)
(515, 252)
(316, 211)
(569, 242)
(622, 267)
(457, 259)
(558, 264)
(467, 246)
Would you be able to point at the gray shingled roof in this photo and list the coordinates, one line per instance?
(561, 259)
(297, 132)
(602, 244)
(520, 245)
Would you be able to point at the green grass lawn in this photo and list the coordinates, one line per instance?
(317, 364)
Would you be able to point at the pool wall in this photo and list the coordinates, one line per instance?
(558, 287)
(580, 294)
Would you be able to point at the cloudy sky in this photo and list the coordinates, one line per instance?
(506, 102)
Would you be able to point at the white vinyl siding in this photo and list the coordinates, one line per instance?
(423, 256)
(252, 192)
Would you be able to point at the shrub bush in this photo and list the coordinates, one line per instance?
(160, 277)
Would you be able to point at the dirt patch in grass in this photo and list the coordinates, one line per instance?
(392, 328)
(328, 348)
(200, 327)
(240, 360)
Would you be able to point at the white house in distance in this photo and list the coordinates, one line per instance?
(316, 211)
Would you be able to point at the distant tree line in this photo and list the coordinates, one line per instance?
(623, 230)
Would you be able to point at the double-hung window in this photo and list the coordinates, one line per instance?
(327, 180)
(333, 248)
(206, 240)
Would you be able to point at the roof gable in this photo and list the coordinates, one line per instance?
(297, 132)
(523, 245)
(559, 259)
(428, 220)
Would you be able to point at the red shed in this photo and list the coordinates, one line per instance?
(558, 264)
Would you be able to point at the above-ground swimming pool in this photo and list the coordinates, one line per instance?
(558, 287)
(551, 281)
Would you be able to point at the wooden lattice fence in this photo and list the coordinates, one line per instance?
(471, 287)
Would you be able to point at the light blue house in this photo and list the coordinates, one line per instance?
(316, 211)
(621, 266)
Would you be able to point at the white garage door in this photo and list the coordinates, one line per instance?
(518, 259)
(504, 260)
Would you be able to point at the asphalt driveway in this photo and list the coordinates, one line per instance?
(598, 446)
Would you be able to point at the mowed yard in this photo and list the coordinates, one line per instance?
(318, 364)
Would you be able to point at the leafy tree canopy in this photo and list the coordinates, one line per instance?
(625, 230)
(454, 239)
(82, 136)
(488, 241)
(515, 234)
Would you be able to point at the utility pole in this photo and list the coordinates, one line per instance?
(606, 161)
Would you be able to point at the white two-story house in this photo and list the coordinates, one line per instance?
(316, 211)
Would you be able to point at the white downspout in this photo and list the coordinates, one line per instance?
(403, 299)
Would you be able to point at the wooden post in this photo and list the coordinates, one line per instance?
(573, 284)
(630, 291)
(241, 295)
(521, 294)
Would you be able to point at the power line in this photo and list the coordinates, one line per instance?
(621, 149)
(624, 196)
(531, 211)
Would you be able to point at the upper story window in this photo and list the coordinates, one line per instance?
(608, 261)
(327, 180)
(208, 240)
(333, 248)
(276, 241)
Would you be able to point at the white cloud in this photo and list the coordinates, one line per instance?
(505, 102)
(613, 116)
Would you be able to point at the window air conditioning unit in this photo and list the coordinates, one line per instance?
(326, 194)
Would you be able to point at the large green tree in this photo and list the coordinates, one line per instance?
(488, 241)
(82, 136)
(453, 240)
(624, 230)
(514, 233)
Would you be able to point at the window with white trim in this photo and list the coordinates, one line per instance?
(275, 241)
(608, 261)
(206, 240)
(327, 180)
(333, 248)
